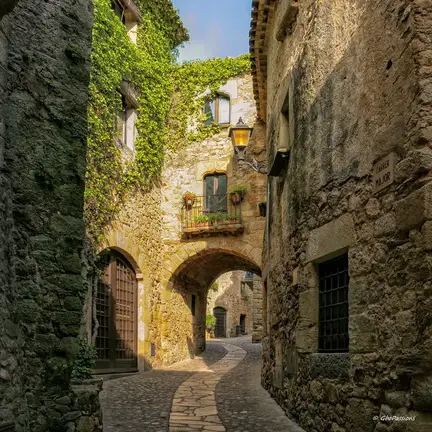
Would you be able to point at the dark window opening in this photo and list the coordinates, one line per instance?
(217, 110)
(118, 8)
(193, 305)
(333, 305)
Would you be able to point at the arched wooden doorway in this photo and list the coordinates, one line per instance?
(116, 313)
(220, 329)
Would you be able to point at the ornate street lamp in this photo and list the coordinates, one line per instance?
(240, 135)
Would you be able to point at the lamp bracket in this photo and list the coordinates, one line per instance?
(242, 156)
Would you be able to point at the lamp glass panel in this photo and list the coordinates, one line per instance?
(241, 137)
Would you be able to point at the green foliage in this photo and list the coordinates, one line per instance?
(147, 67)
(168, 95)
(210, 321)
(214, 286)
(191, 80)
(84, 360)
(240, 189)
(215, 217)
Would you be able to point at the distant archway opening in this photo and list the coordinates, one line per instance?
(116, 314)
(220, 328)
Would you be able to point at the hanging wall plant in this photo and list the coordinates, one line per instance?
(189, 199)
(237, 194)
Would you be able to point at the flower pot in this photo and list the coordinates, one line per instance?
(189, 202)
(236, 198)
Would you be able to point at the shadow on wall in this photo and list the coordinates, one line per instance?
(7, 6)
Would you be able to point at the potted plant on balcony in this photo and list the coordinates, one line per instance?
(189, 199)
(237, 194)
(233, 219)
(202, 221)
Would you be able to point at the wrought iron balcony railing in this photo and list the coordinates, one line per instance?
(210, 213)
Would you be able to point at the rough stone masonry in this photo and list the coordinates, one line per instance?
(347, 87)
(44, 78)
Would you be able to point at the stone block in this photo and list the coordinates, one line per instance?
(396, 399)
(295, 278)
(421, 392)
(331, 238)
(427, 235)
(308, 306)
(360, 414)
(385, 225)
(362, 332)
(422, 422)
(415, 209)
(307, 339)
(291, 361)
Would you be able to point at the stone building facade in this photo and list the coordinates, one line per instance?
(230, 299)
(174, 257)
(344, 88)
(44, 77)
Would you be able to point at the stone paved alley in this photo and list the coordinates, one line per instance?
(217, 391)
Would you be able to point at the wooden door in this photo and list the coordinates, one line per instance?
(116, 311)
(220, 328)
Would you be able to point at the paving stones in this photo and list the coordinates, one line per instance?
(142, 402)
(195, 397)
(243, 405)
(219, 391)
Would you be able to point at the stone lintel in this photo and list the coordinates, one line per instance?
(330, 239)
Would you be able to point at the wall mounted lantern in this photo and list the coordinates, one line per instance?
(240, 135)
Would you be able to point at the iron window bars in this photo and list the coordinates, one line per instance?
(333, 305)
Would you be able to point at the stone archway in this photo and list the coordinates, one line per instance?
(183, 311)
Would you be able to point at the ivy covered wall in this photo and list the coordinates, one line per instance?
(124, 202)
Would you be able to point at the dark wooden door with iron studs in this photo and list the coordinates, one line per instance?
(116, 313)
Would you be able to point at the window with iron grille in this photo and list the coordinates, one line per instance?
(333, 305)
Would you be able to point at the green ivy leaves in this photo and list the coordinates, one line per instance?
(170, 97)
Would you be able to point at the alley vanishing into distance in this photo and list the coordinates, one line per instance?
(219, 390)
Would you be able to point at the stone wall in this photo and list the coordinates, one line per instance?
(44, 77)
(227, 294)
(357, 78)
(148, 232)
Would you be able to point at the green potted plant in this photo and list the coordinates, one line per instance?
(237, 193)
(210, 324)
(189, 199)
(202, 221)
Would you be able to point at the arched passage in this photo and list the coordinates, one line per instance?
(184, 311)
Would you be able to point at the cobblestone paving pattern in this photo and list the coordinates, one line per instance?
(142, 402)
(243, 405)
(194, 405)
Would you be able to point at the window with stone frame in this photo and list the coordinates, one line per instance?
(126, 131)
(129, 15)
(217, 110)
(333, 333)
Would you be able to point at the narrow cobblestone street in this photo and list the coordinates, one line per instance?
(218, 391)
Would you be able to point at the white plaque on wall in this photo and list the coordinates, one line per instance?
(383, 172)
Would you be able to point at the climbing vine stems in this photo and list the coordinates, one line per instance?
(170, 98)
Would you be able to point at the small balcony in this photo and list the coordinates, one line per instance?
(208, 215)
